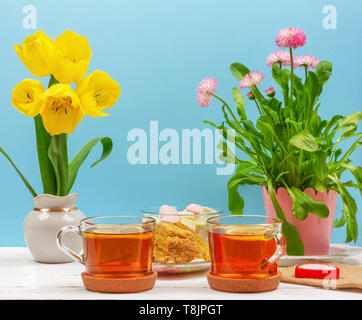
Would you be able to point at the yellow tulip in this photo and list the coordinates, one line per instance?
(60, 109)
(37, 53)
(97, 92)
(72, 57)
(26, 97)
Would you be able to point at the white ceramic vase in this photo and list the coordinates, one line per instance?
(42, 224)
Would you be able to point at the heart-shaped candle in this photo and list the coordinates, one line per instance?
(316, 271)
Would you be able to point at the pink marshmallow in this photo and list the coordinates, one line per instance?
(169, 214)
(195, 208)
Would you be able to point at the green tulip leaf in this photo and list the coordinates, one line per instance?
(78, 160)
(25, 181)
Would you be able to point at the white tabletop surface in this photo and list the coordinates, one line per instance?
(23, 278)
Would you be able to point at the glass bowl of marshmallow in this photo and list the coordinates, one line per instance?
(181, 242)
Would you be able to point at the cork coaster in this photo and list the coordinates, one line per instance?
(243, 285)
(125, 285)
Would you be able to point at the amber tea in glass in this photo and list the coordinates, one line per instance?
(114, 246)
(245, 247)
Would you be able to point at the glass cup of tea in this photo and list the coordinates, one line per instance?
(114, 246)
(244, 246)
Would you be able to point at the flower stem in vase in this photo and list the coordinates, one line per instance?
(46, 168)
(58, 154)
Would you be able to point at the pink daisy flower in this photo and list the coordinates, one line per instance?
(251, 79)
(278, 57)
(204, 90)
(290, 38)
(306, 61)
(270, 92)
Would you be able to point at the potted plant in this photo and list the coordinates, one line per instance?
(56, 112)
(294, 154)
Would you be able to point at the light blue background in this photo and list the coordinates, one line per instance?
(158, 51)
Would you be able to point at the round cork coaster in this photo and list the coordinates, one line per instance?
(243, 285)
(124, 285)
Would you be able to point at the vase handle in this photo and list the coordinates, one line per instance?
(272, 233)
(66, 250)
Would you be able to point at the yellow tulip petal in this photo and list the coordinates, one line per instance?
(89, 105)
(72, 59)
(60, 109)
(26, 97)
(61, 122)
(19, 51)
(97, 92)
(37, 53)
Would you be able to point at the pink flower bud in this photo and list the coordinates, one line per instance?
(250, 95)
(270, 92)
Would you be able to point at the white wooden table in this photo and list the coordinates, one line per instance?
(21, 278)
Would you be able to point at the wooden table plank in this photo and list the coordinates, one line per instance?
(23, 278)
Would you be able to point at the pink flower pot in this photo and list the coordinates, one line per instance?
(314, 231)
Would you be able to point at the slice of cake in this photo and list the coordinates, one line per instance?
(175, 243)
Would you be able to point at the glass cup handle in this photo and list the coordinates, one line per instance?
(271, 233)
(66, 250)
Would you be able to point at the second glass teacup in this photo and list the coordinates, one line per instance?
(244, 246)
(114, 246)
